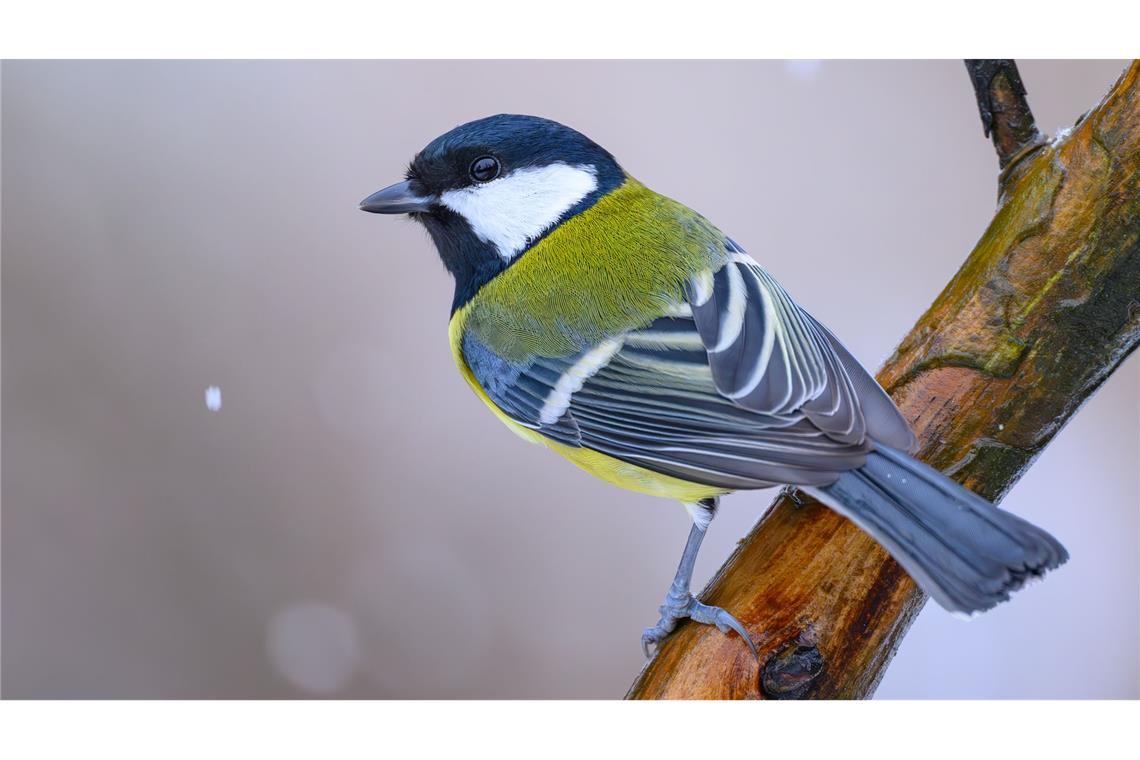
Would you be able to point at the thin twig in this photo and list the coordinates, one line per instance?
(1005, 112)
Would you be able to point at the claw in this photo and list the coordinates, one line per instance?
(703, 613)
(680, 603)
(677, 609)
(659, 632)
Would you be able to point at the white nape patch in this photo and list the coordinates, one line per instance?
(572, 380)
(511, 211)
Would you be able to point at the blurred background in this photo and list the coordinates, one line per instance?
(239, 462)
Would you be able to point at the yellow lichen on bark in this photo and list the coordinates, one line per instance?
(1041, 312)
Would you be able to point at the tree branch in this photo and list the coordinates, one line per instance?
(1043, 310)
(1005, 113)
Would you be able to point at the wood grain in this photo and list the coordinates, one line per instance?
(1044, 309)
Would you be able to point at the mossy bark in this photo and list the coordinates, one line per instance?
(1040, 314)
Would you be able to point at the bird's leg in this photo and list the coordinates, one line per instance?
(679, 602)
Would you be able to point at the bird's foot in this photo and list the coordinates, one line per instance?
(793, 495)
(681, 605)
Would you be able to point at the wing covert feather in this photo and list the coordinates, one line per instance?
(739, 388)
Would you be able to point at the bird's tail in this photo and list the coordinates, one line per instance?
(961, 549)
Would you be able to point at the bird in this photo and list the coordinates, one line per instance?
(625, 332)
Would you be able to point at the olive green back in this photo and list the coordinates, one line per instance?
(616, 266)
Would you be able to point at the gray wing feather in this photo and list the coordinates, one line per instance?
(884, 422)
(654, 404)
(739, 389)
(782, 359)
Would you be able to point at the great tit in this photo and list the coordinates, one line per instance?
(625, 332)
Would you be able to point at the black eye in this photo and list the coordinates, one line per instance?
(484, 169)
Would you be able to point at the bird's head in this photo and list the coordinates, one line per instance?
(488, 190)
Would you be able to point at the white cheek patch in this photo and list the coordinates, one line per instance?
(513, 210)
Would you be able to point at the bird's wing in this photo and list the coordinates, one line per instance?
(737, 389)
(644, 399)
(769, 355)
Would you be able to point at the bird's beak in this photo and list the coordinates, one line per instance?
(396, 199)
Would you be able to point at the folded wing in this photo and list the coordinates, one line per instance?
(739, 388)
(769, 355)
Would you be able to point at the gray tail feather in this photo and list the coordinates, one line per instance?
(961, 549)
